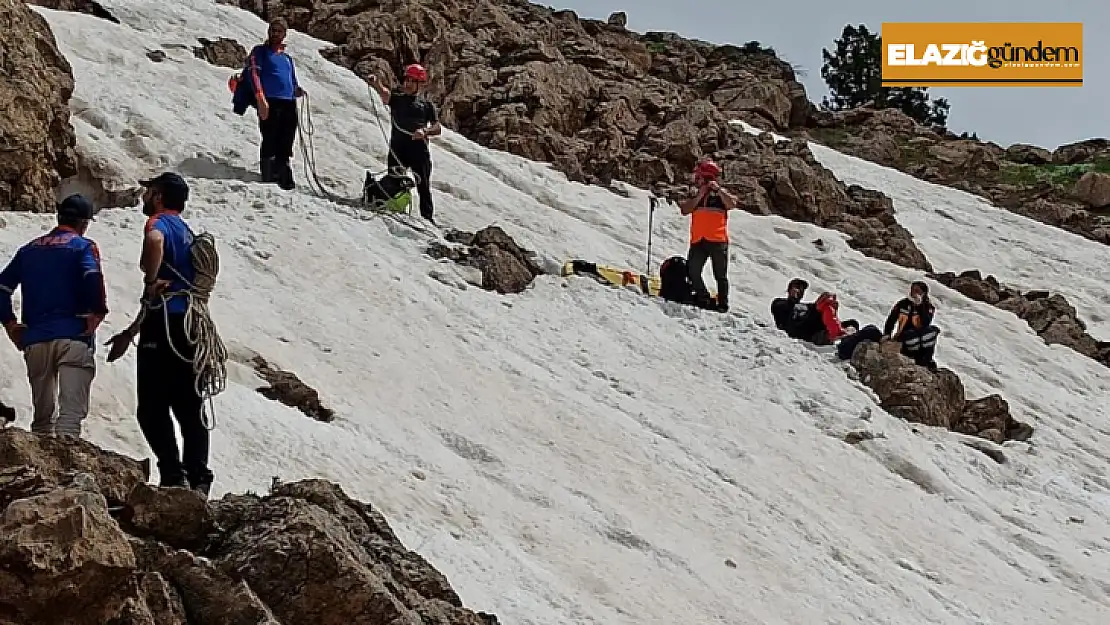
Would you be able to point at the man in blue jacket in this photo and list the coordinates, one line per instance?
(276, 91)
(64, 302)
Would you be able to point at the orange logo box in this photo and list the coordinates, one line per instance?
(987, 54)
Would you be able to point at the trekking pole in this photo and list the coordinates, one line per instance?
(651, 226)
(645, 281)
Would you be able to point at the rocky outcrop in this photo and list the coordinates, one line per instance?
(288, 389)
(505, 266)
(37, 142)
(1093, 188)
(304, 553)
(88, 7)
(1058, 188)
(934, 398)
(1050, 315)
(222, 52)
(7, 414)
(602, 103)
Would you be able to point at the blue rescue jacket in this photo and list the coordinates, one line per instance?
(62, 283)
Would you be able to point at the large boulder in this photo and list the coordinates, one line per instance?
(934, 398)
(222, 52)
(57, 459)
(504, 266)
(37, 142)
(1093, 188)
(60, 553)
(306, 553)
(296, 547)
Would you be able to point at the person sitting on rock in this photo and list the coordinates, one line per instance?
(911, 323)
(708, 212)
(815, 322)
(854, 336)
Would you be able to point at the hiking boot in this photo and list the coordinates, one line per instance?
(203, 488)
(284, 176)
(173, 481)
(266, 169)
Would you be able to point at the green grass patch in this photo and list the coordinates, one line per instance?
(1057, 175)
(831, 137)
(656, 47)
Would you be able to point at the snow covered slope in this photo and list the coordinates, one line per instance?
(578, 454)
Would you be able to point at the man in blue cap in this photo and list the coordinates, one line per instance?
(166, 380)
(64, 302)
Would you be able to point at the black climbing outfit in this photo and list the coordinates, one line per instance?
(279, 133)
(411, 113)
(167, 383)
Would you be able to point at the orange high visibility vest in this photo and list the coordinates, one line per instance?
(709, 223)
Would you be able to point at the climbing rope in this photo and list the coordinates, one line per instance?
(306, 131)
(209, 352)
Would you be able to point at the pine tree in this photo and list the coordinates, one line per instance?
(854, 76)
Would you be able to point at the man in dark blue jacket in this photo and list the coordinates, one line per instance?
(276, 89)
(64, 302)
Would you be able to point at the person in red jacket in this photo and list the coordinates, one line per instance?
(816, 322)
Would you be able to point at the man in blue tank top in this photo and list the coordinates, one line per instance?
(166, 380)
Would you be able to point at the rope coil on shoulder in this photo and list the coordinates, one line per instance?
(209, 352)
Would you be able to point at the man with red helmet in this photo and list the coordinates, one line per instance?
(414, 120)
(708, 212)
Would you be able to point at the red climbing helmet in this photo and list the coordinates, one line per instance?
(416, 72)
(707, 170)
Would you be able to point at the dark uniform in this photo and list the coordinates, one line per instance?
(411, 113)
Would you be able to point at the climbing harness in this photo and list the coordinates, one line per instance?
(306, 130)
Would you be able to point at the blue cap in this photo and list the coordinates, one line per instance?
(76, 206)
(173, 187)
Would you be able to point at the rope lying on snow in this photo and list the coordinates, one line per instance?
(306, 130)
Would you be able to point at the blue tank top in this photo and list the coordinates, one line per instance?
(177, 262)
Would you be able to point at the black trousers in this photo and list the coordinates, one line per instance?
(696, 258)
(847, 345)
(166, 383)
(279, 133)
(419, 160)
(920, 345)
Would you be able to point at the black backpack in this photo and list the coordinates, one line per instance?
(674, 281)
